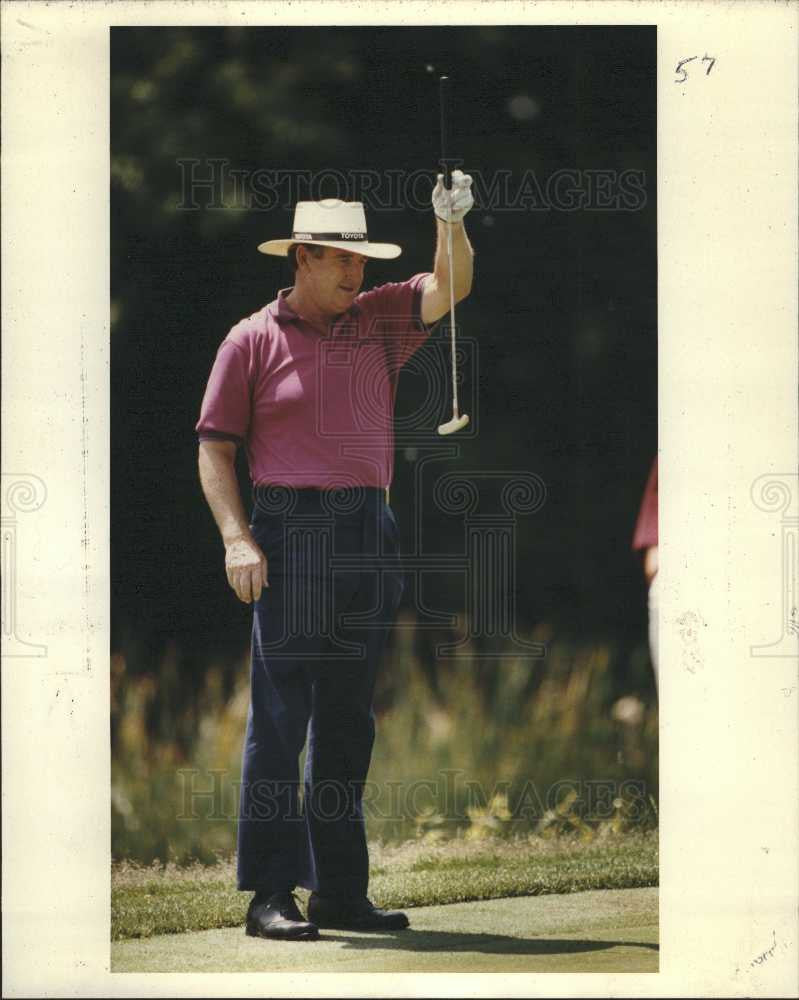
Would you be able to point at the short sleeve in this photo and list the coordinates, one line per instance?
(395, 315)
(225, 410)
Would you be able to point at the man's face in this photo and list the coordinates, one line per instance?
(334, 279)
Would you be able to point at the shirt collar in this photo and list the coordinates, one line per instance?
(284, 313)
(282, 309)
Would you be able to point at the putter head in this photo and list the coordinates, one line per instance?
(456, 424)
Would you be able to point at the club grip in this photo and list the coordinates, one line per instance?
(444, 105)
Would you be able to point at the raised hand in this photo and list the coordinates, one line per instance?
(452, 205)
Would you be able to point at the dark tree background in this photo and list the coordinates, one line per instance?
(564, 304)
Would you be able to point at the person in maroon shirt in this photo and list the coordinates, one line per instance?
(645, 541)
(307, 385)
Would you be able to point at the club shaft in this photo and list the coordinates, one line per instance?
(452, 322)
(444, 107)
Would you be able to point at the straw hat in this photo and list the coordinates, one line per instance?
(331, 223)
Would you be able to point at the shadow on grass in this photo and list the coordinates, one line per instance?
(490, 944)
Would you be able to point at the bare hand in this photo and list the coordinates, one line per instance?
(246, 568)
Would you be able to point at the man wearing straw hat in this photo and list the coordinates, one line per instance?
(307, 385)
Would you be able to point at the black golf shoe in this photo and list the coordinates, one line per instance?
(353, 915)
(277, 916)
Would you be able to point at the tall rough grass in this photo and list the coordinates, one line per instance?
(471, 748)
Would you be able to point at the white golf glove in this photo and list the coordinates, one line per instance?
(457, 201)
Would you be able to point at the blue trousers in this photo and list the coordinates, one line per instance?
(319, 630)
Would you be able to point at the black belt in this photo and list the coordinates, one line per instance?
(274, 490)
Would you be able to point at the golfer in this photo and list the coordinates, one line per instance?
(307, 385)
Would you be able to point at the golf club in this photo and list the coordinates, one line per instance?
(458, 421)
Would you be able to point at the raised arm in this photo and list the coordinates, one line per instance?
(245, 563)
(452, 204)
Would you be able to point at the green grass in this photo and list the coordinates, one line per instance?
(600, 931)
(169, 899)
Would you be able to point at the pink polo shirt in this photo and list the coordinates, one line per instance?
(316, 410)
